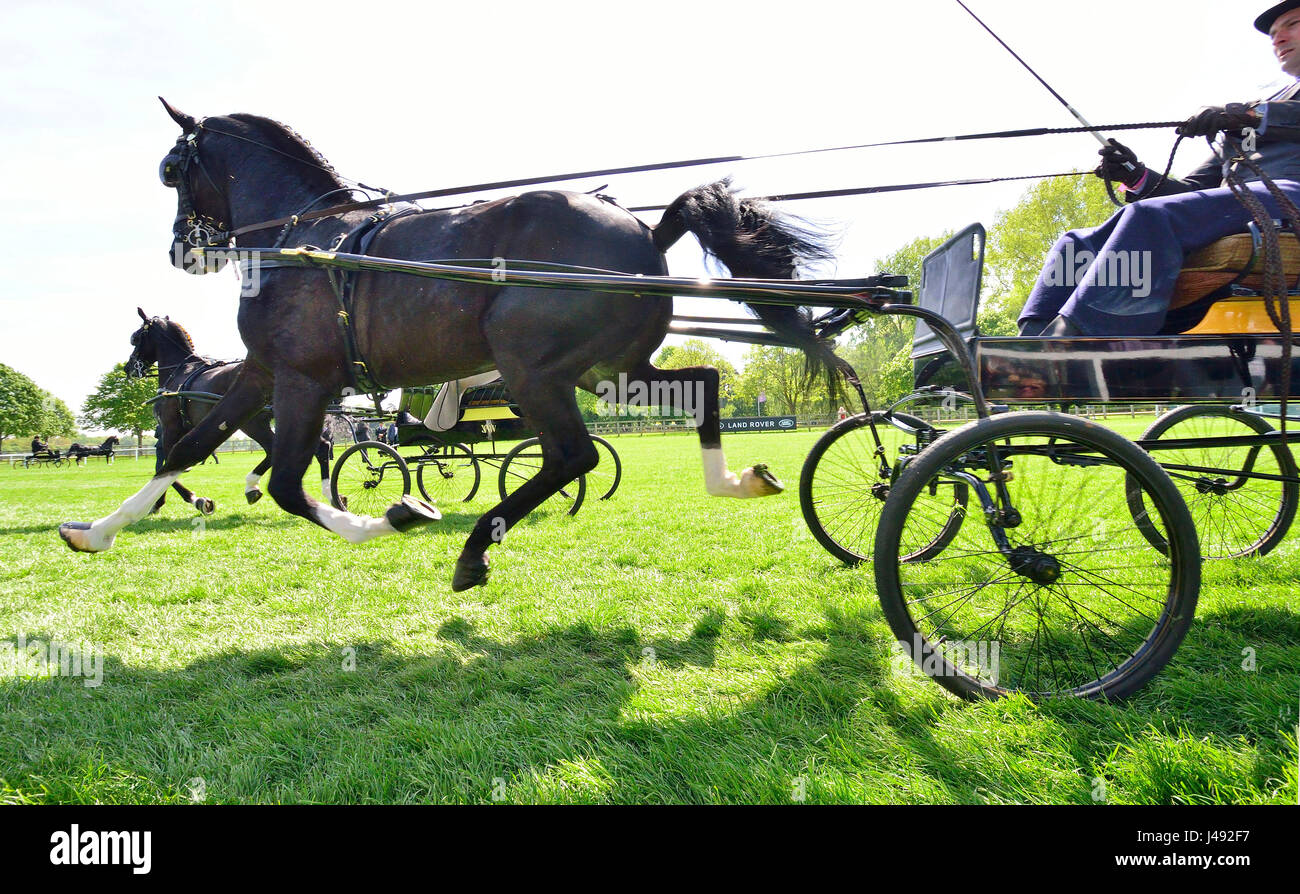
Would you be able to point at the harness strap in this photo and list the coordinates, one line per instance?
(1276, 298)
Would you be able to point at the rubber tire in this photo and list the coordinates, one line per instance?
(613, 460)
(449, 450)
(385, 451)
(1171, 627)
(1287, 504)
(807, 479)
(505, 481)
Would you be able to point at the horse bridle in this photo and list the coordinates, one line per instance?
(191, 228)
(135, 367)
(204, 231)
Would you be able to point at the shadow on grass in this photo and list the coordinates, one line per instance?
(570, 713)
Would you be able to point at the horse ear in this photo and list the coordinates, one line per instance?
(142, 314)
(186, 122)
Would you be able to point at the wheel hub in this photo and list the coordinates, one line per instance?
(1216, 486)
(1039, 567)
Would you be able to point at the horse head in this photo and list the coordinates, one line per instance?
(157, 340)
(144, 347)
(238, 170)
(202, 208)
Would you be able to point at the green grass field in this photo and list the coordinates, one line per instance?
(662, 647)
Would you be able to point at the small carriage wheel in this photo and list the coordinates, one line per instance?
(843, 487)
(1074, 600)
(523, 462)
(451, 471)
(1235, 515)
(369, 478)
(608, 473)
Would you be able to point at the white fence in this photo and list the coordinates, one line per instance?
(242, 445)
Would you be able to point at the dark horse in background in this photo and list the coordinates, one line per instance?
(80, 452)
(242, 170)
(161, 341)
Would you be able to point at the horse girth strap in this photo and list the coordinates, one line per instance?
(358, 371)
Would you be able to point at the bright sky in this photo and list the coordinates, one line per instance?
(414, 96)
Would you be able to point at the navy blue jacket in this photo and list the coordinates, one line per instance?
(1278, 157)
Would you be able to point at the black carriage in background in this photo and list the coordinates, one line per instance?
(449, 466)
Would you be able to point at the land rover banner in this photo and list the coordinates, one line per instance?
(759, 423)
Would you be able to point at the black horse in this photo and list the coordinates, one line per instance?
(242, 171)
(79, 452)
(161, 341)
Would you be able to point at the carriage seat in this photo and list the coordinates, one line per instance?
(1222, 285)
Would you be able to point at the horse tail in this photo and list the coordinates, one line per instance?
(756, 241)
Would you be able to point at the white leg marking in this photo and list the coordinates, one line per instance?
(250, 482)
(102, 531)
(325, 489)
(717, 480)
(352, 528)
(721, 483)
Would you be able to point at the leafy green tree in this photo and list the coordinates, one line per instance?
(697, 352)
(781, 374)
(22, 404)
(1022, 236)
(118, 404)
(57, 420)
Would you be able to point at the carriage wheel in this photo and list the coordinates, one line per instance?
(448, 473)
(843, 488)
(369, 478)
(603, 480)
(1075, 600)
(1234, 515)
(525, 461)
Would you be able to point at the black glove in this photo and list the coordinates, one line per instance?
(1211, 120)
(1114, 159)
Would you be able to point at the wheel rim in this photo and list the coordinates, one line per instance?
(370, 478)
(525, 461)
(603, 480)
(844, 487)
(1235, 516)
(448, 474)
(1084, 605)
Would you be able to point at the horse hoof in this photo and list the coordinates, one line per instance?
(76, 536)
(759, 482)
(411, 513)
(470, 573)
(252, 496)
(205, 505)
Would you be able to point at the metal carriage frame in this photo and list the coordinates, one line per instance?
(952, 586)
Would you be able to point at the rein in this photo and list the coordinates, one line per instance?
(1277, 300)
(215, 233)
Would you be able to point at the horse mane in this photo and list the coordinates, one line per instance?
(183, 334)
(289, 141)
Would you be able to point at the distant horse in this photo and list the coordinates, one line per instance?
(79, 452)
(307, 340)
(160, 341)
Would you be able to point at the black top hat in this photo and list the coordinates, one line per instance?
(1265, 22)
